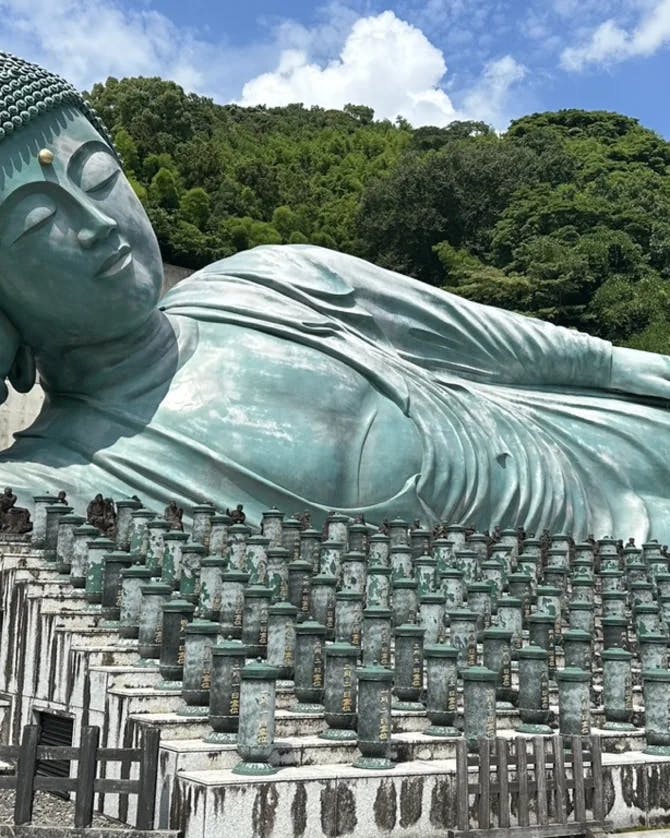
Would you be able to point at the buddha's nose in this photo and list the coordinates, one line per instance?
(97, 227)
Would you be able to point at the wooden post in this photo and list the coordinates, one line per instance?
(86, 771)
(502, 746)
(597, 770)
(484, 784)
(25, 775)
(578, 779)
(522, 778)
(541, 780)
(146, 799)
(559, 779)
(462, 786)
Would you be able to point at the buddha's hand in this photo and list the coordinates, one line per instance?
(641, 373)
(17, 363)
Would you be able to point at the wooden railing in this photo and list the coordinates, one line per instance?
(86, 783)
(552, 791)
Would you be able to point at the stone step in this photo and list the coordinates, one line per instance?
(108, 654)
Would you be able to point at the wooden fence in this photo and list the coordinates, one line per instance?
(546, 791)
(86, 783)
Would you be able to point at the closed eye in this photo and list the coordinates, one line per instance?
(104, 184)
(35, 219)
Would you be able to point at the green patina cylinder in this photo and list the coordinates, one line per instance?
(463, 634)
(330, 562)
(177, 614)
(431, 617)
(218, 535)
(309, 665)
(408, 669)
(236, 550)
(337, 527)
(608, 554)
(583, 553)
(132, 580)
(199, 637)
(561, 542)
(542, 633)
(378, 588)
(231, 613)
(557, 559)
(300, 585)
(201, 527)
(534, 689)
(632, 556)
(647, 618)
(348, 617)
(656, 687)
(493, 574)
(583, 569)
(65, 541)
(556, 577)
(281, 638)
(339, 697)
(442, 555)
(419, 541)
(577, 649)
(665, 611)
(156, 530)
(255, 736)
(530, 558)
(520, 587)
(150, 631)
(480, 602)
(456, 535)
(663, 585)
(611, 581)
(425, 573)
(139, 537)
(374, 717)
(271, 526)
(359, 537)
(189, 580)
(467, 561)
(252, 557)
(38, 534)
(257, 601)
(97, 550)
(113, 564)
(173, 542)
(613, 604)
(615, 632)
(617, 689)
(398, 532)
(652, 552)
(404, 601)
(653, 651)
(497, 656)
(53, 515)
(379, 551)
(441, 688)
(401, 562)
(505, 557)
(228, 658)
(637, 574)
(310, 548)
(641, 592)
(290, 529)
(582, 616)
(277, 572)
(479, 544)
(376, 636)
(452, 587)
(79, 564)
(124, 511)
(354, 572)
(479, 704)
(582, 590)
(549, 602)
(574, 701)
(212, 570)
(510, 618)
(322, 602)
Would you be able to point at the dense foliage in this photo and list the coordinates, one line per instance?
(565, 217)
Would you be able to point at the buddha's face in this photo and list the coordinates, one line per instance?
(79, 262)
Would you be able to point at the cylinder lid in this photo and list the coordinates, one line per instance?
(479, 673)
(259, 671)
(656, 675)
(310, 627)
(573, 674)
(440, 650)
(282, 609)
(229, 648)
(342, 650)
(194, 547)
(616, 654)
(409, 630)
(533, 653)
(156, 589)
(258, 592)
(496, 633)
(176, 535)
(201, 626)
(374, 673)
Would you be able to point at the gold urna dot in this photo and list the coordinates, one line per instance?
(45, 156)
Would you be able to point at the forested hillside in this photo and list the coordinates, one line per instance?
(565, 217)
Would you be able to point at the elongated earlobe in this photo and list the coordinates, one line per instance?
(22, 372)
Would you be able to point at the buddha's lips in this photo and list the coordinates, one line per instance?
(116, 262)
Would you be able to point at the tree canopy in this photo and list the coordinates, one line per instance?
(566, 216)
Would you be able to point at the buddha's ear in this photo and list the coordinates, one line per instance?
(17, 361)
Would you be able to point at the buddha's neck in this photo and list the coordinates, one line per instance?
(133, 366)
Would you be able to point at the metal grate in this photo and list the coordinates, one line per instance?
(54, 730)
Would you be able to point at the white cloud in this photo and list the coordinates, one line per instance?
(391, 66)
(611, 43)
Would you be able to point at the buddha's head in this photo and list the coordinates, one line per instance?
(79, 262)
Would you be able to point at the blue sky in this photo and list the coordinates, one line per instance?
(430, 61)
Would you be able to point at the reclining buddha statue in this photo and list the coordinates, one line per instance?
(292, 376)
